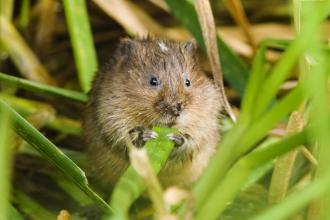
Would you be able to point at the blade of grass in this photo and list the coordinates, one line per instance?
(319, 209)
(6, 8)
(297, 201)
(286, 105)
(43, 89)
(130, 185)
(12, 213)
(28, 206)
(244, 168)
(51, 153)
(282, 68)
(26, 107)
(82, 41)
(234, 70)
(284, 165)
(257, 76)
(5, 164)
(20, 53)
(72, 190)
(283, 168)
(24, 17)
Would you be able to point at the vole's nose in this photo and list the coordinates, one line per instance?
(177, 109)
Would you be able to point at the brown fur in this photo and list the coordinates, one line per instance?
(122, 100)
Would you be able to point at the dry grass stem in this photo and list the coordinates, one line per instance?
(237, 11)
(132, 18)
(141, 163)
(21, 54)
(284, 164)
(206, 20)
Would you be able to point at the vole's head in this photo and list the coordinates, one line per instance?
(161, 81)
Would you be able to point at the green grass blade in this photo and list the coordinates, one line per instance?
(5, 163)
(234, 70)
(286, 105)
(12, 213)
(21, 54)
(241, 171)
(6, 8)
(257, 75)
(297, 201)
(130, 185)
(282, 68)
(82, 41)
(28, 206)
(51, 153)
(26, 107)
(42, 88)
(24, 17)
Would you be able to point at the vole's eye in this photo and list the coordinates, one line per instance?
(154, 82)
(187, 82)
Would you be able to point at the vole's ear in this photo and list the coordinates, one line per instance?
(190, 46)
(125, 46)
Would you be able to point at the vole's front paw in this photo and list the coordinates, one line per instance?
(176, 138)
(139, 136)
(148, 134)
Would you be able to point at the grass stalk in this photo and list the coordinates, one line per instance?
(244, 168)
(319, 208)
(284, 164)
(26, 107)
(43, 88)
(51, 153)
(5, 164)
(24, 17)
(6, 8)
(232, 147)
(81, 41)
(283, 67)
(21, 54)
(297, 201)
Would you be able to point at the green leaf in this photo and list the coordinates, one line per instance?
(130, 185)
(81, 41)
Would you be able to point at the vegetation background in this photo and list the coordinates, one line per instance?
(271, 164)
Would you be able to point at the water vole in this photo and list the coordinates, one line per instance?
(148, 83)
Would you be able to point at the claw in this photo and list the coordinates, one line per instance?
(149, 134)
(176, 138)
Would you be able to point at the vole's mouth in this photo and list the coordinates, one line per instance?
(166, 122)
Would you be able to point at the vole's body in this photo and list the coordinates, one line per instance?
(150, 83)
